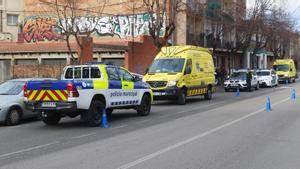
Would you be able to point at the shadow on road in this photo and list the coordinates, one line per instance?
(174, 102)
(23, 121)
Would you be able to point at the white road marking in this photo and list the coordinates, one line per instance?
(85, 135)
(179, 144)
(143, 121)
(118, 127)
(28, 149)
(285, 87)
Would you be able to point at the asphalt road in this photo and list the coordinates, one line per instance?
(227, 132)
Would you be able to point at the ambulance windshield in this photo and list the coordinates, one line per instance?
(283, 67)
(167, 65)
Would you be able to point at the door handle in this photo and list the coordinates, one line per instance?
(126, 85)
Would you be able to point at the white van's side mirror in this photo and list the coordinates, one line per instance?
(147, 70)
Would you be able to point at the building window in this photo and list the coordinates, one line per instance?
(54, 61)
(26, 62)
(12, 19)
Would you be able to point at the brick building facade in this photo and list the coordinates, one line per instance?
(22, 60)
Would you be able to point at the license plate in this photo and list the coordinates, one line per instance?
(234, 84)
(159, 93)
(48, 104)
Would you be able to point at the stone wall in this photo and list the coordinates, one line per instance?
(5, 73)
(34, 71)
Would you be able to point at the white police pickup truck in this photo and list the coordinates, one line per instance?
(85, 90)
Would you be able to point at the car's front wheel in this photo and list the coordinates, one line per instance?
(109, 111)
(181, 97)
(145, 106)
(257, 86)
(208, 94)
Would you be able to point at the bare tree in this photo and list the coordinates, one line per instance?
(161, 19)
(260, 36)
(215, 13)
(280, 30)
(228, 28)
(68, 12)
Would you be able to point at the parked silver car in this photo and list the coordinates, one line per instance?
(12, 108)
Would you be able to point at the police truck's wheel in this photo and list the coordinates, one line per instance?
(208, 94)
(51, 118)
(226, 90)
(181, 97)
(109, 112)
(145, 106)
(257, 86)
(13, 117)
(95, 113)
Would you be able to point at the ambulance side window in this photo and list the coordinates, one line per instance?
(69, 73)
(95, 73)
(189, 66)
(198, 66)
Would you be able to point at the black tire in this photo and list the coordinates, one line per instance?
(145, 107)
(95, 113)
(51, 119)
(13, 117)
(181, 97)
(249, 89)
(39, 116)
(109, 112)
(226, 90)
(208, 94)
(257, 86)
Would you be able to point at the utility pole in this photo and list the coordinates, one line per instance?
(172, 15)
(133, 30)
(1, 21)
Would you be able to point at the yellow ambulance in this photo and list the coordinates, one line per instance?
(178, 72)
(285, 69)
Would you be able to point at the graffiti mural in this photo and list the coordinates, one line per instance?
(40, 29)
(122, 26)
